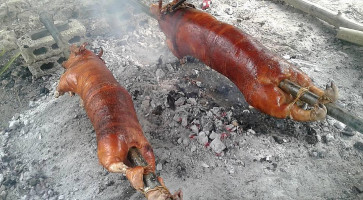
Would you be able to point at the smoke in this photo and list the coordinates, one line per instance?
(118, 16)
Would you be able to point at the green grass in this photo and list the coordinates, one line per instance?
(2, 52)
(8, 64)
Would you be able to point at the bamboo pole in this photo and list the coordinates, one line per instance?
(335, 19)
(350, 35)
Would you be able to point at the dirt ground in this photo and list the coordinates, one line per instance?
(48, 145)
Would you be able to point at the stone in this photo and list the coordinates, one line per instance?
(214, 135)
(184, 121)
(170, 67)
(193, 148)
(14, 124)
(328, 138)
(217, 145)
(202, 138)
(230, 127)
(3, 194)
(159, 166)
(194, 129)
(159, 74)
(186, 141)
(278, 139)
(177, 118)
(180, 140)
(192, 101)
(251, 132)
(180, 101)
(208, 126)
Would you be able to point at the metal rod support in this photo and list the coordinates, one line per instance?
(177, 4)
(334, 110)
(136, 159)
(47, 20)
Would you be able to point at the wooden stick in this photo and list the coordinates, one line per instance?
(350, 35)
(335, 19)
(334, 110)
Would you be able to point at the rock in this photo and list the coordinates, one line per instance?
(25, 122)
(159, 166)
(16, 116)
(287, 57)
(214, 135)
(278, 139)
(14, 124)
(159, 74)
(32, 104)
(170, 67)
(184, 120)
(3, 194)
(192, 101)
(193, 148)
(208, 126)
(219, 124)
(358, 146)
(180, 101)
(339, 125)
(1, 178)
(202, 138)
(328, 138)
(180, 140)
(230, 127)
(217, 145)
(186, 141)
(251, 132)
(61, 197)
(177, 118)
(216, 111)
(194, 129)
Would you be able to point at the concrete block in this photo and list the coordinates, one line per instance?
(41, 52)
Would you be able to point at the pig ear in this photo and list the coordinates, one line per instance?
(100, 53)
(82, 48)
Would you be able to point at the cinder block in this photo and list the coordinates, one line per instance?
(42, 53)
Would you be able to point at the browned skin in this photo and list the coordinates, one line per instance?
(111, 111)
(254, 69)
